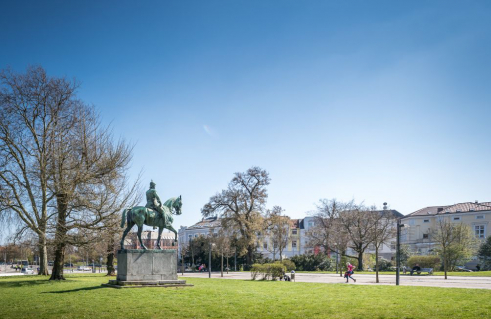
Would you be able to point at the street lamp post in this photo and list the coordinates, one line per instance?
(209, 260)
(398, 250)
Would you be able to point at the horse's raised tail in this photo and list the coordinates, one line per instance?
(123, 218)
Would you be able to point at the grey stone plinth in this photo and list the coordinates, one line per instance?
(147, 265)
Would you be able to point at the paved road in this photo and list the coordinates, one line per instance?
(428, 281)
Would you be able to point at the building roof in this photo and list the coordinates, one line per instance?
(394, 212)
(209, 222)
(459, 208)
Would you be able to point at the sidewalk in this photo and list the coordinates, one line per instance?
(424, 281)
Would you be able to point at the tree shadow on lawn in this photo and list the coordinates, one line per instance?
(74, 290)
(23, 283)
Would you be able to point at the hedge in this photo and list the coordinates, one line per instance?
(267, 271)
(425, 261)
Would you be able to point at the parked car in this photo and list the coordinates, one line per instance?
(84, 268)
(27, 271)
(68, 265)
(462, 268)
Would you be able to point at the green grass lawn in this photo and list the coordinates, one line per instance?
(81, 296)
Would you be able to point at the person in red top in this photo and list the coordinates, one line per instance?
(348, 274)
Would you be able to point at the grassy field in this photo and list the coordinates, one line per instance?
(81, 296)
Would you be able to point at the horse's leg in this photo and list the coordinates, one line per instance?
(129, 224)
(160, 235)
(126, 231)
(175, 233)
(140, 228)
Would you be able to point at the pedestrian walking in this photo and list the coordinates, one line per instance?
(348, 274)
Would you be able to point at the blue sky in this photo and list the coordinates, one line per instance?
(367, 100)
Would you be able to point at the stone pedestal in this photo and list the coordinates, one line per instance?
(146, 268)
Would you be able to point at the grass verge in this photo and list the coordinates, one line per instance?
(82, 296)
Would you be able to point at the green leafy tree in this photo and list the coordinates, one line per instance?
(484, 254)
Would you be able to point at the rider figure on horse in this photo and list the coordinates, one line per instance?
(153, 200)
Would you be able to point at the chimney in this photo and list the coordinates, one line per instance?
(477, 202)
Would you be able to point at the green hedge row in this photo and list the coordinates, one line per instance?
(267, 271)
(425, 262)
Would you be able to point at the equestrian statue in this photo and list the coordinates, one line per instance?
(154, 213)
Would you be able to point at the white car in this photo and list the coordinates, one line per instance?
(84, 268)
(27, 271)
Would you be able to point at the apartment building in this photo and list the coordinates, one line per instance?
(297, 243)
(417, 232)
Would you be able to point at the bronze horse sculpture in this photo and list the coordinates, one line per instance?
(140, 215)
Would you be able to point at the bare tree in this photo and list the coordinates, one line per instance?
(88, 177)
(357, 222)
(31, 105)
(384, 225)
(455, 241)
(327, 231)
(240, 207)
(277, 228)
(223, 243)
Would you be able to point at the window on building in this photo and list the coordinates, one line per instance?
(426, 221)
(479, 231)
(480, 217)
(294, 231)
(393, 245)
(456, 218)
(311, 224)
(265, 245)
(195, 235)
(425, 236)
(294, 244)
(411, 222)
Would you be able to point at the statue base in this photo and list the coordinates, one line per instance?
(146, 268)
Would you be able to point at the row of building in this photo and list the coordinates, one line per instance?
(416, 232)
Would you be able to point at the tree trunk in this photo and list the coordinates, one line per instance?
(445, 263)
(249, 256)
(60, 240)
(221, 269)
(360, 260)
(182, 263)
(111, 271)
(43, 256)
(376, 264)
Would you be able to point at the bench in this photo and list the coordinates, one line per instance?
(427, 270)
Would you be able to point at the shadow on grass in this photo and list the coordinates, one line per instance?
(74, 290)
(23, 283)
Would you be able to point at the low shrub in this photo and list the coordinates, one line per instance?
(290, 265)
(267, 271)
(425, 261)
(384, 264)
(309, 262)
